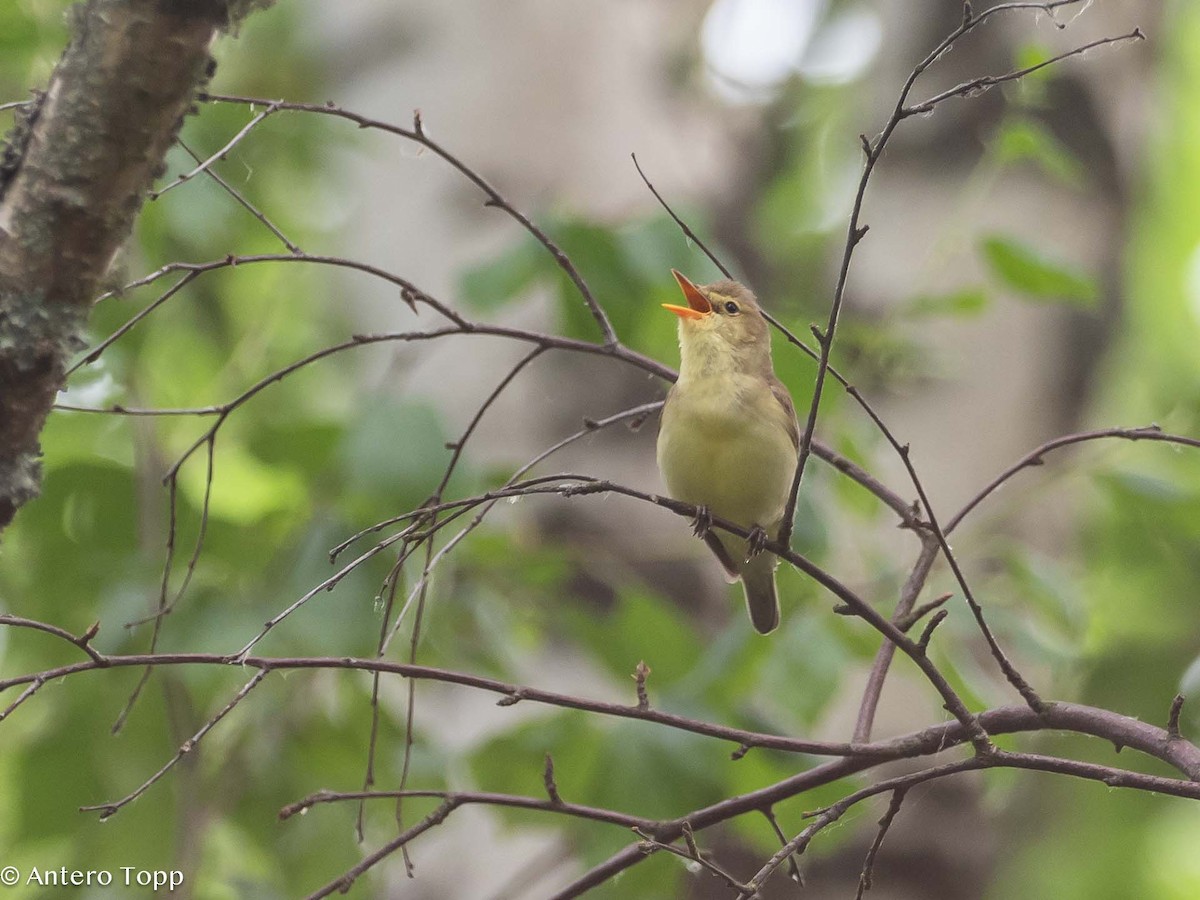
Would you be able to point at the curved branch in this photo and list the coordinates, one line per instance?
(1120, 730)
(1034, 457)
(417, 135)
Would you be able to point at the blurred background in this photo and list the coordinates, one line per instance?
(1032, 269)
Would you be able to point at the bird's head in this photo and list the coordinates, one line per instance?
(721, 327)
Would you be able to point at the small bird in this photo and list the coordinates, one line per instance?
(729, 437)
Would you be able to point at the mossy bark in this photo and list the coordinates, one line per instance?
(75, 176)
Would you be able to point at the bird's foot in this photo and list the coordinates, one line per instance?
(757, 540)
(702, 523)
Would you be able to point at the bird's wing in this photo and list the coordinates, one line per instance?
(780, 393)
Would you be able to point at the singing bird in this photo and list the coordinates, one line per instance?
(729, 438)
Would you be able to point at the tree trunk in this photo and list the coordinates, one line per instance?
(73, 177)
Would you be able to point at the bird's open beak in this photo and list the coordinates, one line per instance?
(698, 306)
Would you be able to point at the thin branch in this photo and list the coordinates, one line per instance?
(1035, 457)
(458, 445)
(823, 818)
(410, 710)
(94, 353)
(864, 878)
(327, 585)
(855, 231)
(343, 882)
(912, 588)
(1173, 732)
(118, 410)
(683, 226)
(692, 854)
(108, 809)
(220, 154)
(1110, 726)
(633, 415)
(83, 641)
(907, 622)
(793, 860)
(466, 798)
(1013, 676)
(999, 759)
(930, 627)
(30, 689)
(245, 204)
(985, 82)
(418, 135)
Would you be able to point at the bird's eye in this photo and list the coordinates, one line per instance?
(731, 307)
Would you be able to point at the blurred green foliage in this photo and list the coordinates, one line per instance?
(1031, 274)
(313, 459)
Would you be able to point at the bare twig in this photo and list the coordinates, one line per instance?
(887, 650)
(1015, 678)
(418, 135)
(83, 641)
(550, 783)
(1173, 718)
(930, 627)
(1035, 457)
(343, 882)
(794, 859)
(640, 675)
(923, 610)
(1110, 726)
(109, 809)
(985, 82)
(244, 203)
(465, 798)
(864, 879)
(692, 853)
(220, 154)
(855, 231)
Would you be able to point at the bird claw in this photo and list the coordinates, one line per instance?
(702, 523)
(758, 540)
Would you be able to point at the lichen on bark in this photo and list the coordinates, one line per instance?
(73, 179)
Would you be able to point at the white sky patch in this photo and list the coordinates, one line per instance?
(95, 393)
(844, 47)
(751, 46)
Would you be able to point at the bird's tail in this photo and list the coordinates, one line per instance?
(762, 601)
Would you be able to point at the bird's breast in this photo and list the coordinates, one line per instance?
(724, 444)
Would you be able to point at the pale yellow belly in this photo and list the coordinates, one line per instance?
(736, 458)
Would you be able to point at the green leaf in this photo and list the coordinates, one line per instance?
(1025, 270)
(243, 490)
(394, 451)
(633, 631)
(965, 302)
(1053, 615)
(1033, 54)
(1023, 140)
(493, 284)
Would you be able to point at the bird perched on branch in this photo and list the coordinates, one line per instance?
(729, 436)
